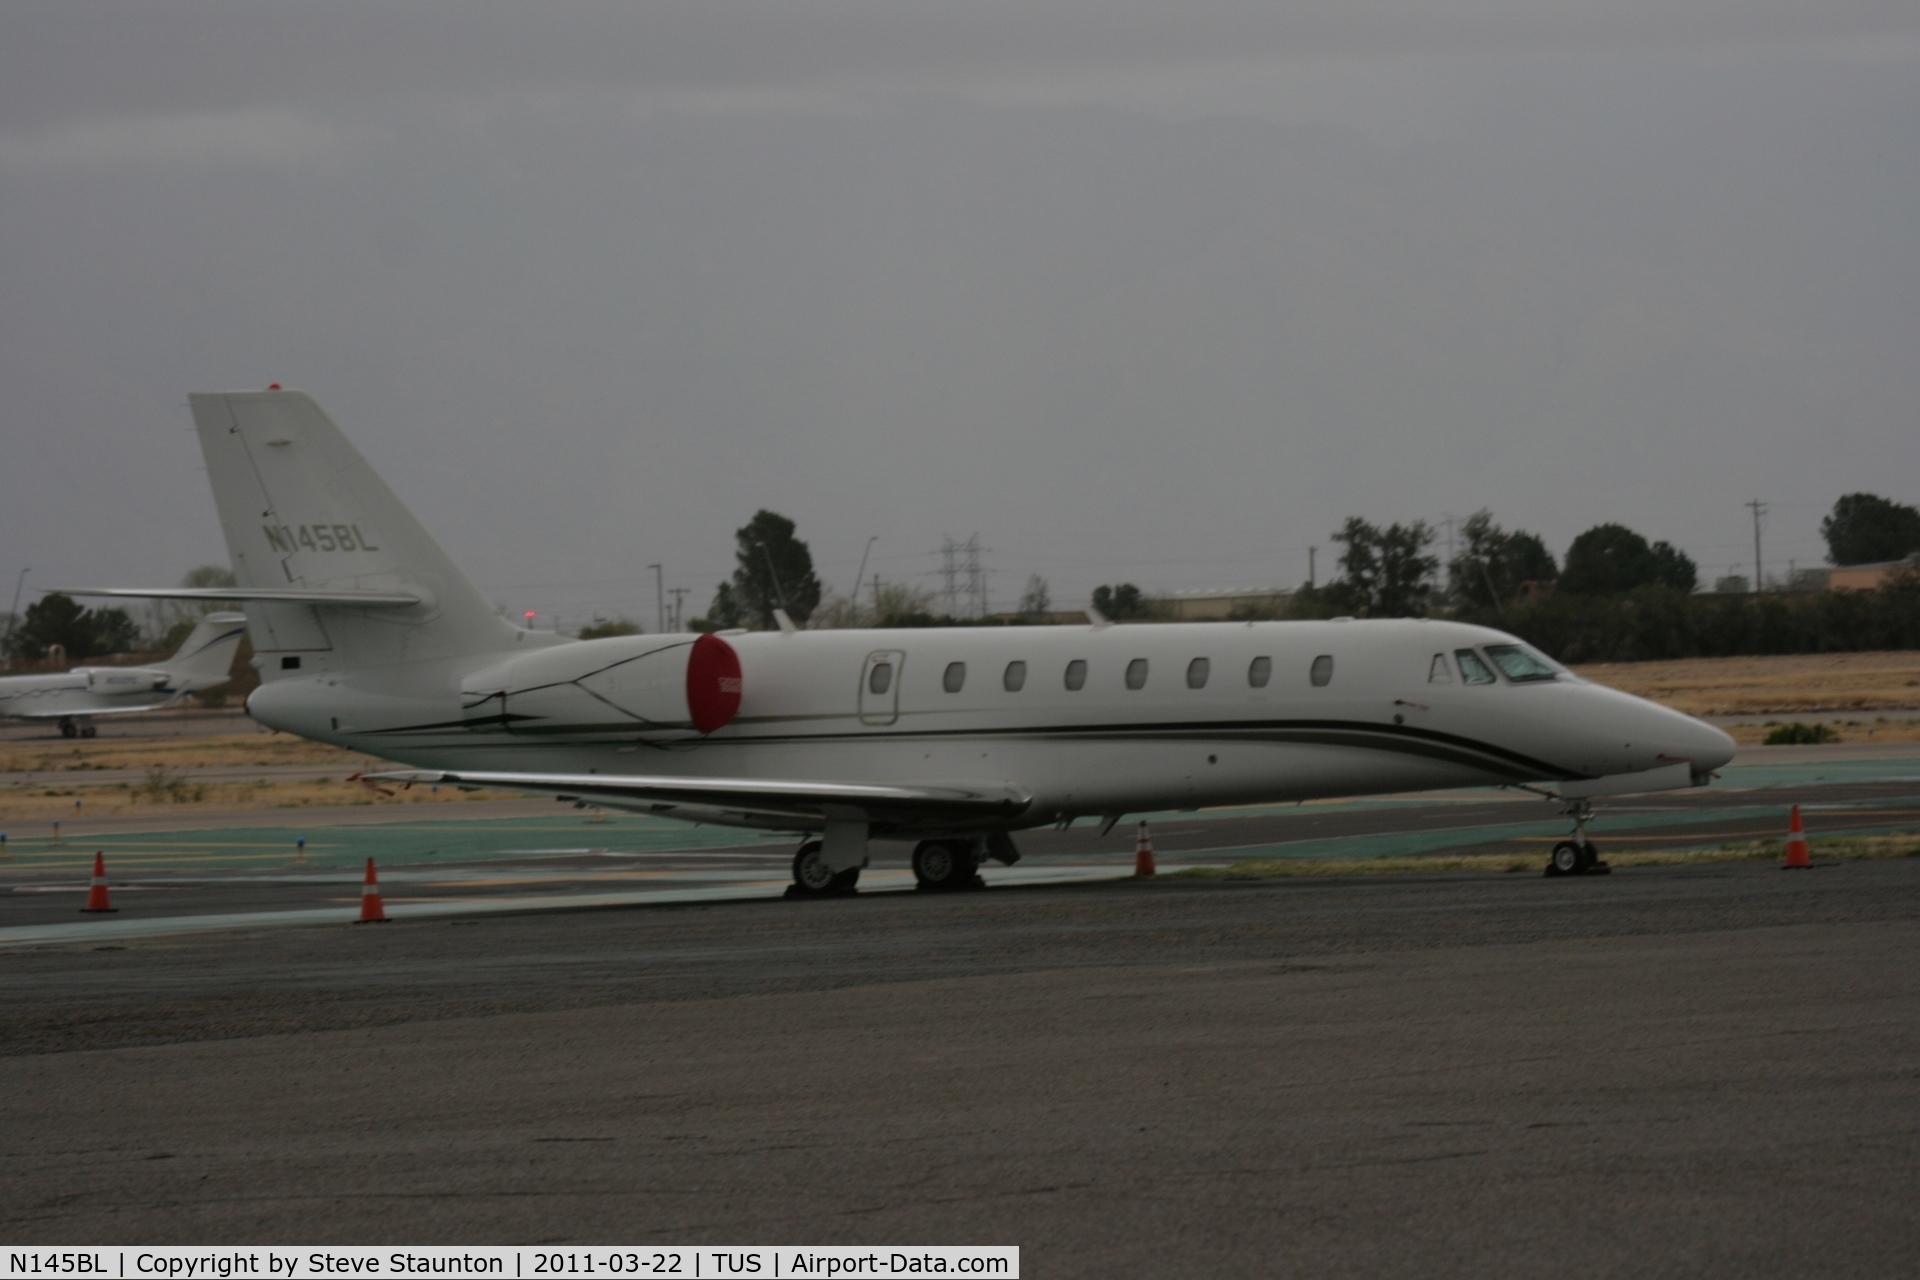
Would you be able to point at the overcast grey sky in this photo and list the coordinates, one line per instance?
(1146, 291)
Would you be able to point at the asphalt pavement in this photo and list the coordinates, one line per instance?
(1707, 1070)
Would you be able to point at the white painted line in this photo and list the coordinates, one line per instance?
(766, 887)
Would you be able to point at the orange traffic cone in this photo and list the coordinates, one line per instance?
(1143, 852)
(371, 910)
(97, 891)
(1796, 843)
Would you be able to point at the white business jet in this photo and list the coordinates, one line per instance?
(369, 637)
(75, 697)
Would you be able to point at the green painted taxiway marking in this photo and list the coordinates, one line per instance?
(400, 842)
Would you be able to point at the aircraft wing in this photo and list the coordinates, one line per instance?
(770, 796)
(282, 595)
(75, 713)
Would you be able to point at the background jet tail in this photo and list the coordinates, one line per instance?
(302, 510)
(205, 659)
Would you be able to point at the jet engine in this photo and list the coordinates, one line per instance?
(655, 686)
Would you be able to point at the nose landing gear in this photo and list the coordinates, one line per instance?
(69, 728)
(1576, 857)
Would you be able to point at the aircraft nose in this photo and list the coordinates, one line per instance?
(1710, 747)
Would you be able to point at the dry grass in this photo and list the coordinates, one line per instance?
(1838, 848)
(185, 752)
(1800, 683)
(1856, 730)
(163, 792)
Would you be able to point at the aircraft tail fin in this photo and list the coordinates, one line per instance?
(206, 656)
(303, 511)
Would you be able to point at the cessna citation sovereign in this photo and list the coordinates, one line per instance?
(75, 697)
(369, 637)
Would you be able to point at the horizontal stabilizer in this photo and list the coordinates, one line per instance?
(810, 800)
(281, 595)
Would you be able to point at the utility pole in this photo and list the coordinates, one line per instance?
(1759, 509)
(679, 596)
(1311, 553)
(950, 573)
(976, 578)
(860, 574)
(13, 614)
(660, 595)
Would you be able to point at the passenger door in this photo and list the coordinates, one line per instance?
(880, 686)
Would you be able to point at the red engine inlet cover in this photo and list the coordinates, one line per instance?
(713, 683)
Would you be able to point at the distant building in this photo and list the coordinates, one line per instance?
(1867, 577)
(1810, 580)
(1217, 604)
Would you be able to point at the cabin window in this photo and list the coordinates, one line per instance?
(1521, 664)
(1137, 674)
(290, 664)
(956, 675)
(1077, 674)
(1439, 672)
(1259, 671)
(1472, 670)
(1015, 676)
(1321, 672)
(880, 679)
(1197, 672)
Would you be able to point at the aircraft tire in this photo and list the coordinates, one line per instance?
(69, 729)
(89, 731)
(1567, 859)
(811, 874)
(813, 878)
(943, 864)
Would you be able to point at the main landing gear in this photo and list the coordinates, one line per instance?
(70, 729)
(813, 878)
(1577, 857)
(943, 865)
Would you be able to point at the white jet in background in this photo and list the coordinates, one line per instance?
(73, 697)
(368, 636)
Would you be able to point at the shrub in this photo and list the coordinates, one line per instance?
(1797, 734)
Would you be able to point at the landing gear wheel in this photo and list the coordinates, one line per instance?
(68, 729)
(1567, 859)
(89, 731)
(944, 864)
(812, 877)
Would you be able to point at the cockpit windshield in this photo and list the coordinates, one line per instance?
(1521, 664)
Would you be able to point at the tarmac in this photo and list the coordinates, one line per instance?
(580, 1031)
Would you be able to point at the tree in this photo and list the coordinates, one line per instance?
(767, 547)
(1865, 528)
(1611, 559)
(1385, 573)
(169, 621)
(1492, 563)
(614, 627)
(1036, 599)
(723, 614)
(1117, 604)
(56, 619)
